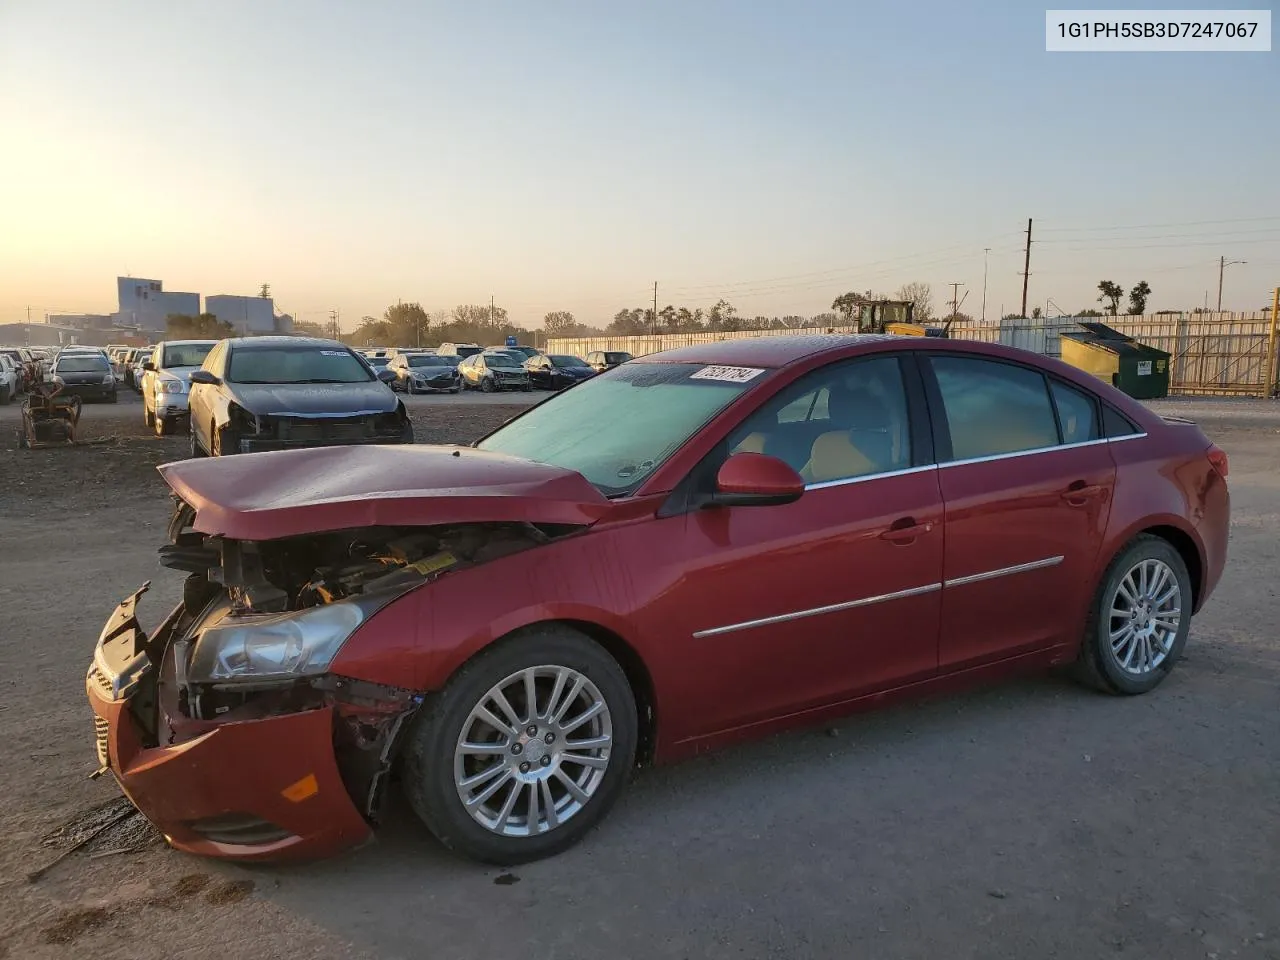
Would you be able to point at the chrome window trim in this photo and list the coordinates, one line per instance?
(1034, 450)
(818, 611)
(1003, 572)
(823, 484)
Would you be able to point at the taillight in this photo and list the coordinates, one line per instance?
(1218, 460)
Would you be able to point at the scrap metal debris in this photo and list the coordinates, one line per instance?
(114, 827)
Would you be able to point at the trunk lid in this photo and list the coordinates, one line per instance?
(265, 496)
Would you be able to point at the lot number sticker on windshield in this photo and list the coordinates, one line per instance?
(727, 374)
(333, 353)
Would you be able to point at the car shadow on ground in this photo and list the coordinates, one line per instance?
(770, 806)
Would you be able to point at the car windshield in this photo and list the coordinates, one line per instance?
(428, 360)
(82, 363)
(563, 361)
(662, 405)
(296, 365)
(501, 360)
(183, 354)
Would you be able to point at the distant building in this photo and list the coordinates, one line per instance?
(145, 304)
(248, 315)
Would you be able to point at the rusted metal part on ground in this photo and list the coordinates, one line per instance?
(48, 417)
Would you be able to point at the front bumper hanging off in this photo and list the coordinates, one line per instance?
(266, 787)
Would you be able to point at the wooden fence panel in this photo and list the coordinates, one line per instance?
(1223, 354)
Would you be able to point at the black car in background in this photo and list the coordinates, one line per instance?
(276, 393)
(425, 373)
(85, 374)
(602, 360)
(555, 371)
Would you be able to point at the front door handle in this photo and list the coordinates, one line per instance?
(1080, 492)
(906, 530)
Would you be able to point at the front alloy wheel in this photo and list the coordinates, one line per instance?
(542, 733)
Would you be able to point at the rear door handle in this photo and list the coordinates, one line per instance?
(1081, 492)
(905, 530)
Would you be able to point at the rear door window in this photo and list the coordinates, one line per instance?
(993, 407)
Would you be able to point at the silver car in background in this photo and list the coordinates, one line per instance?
(165, 381)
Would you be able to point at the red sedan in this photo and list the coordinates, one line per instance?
(693, 548)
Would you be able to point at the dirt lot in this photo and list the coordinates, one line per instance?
(1030, 820)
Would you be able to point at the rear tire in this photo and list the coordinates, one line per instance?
(196, 450)
(1139, 620)
(486, 385)
(434, 763)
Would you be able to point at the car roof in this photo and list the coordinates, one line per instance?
(266, 343)
(179, 343)
(764, 351)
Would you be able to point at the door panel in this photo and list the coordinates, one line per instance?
(788, 607)
(1025, 513)
(793, 606)
(1003, 517)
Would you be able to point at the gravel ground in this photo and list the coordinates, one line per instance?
(1034, 819)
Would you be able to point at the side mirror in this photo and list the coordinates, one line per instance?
(148, 365)
(205, 377)
(756, 480)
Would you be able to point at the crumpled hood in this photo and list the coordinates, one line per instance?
(264, 496)
(315, 399)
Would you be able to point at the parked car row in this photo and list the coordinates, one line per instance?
(20, 367)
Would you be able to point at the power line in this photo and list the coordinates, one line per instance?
(816, 274)
(1167, 236)
(1151, 226)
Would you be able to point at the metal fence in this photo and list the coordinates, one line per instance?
(1218, 354)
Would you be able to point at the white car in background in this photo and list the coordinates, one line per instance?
(10, 379)
(164, 379)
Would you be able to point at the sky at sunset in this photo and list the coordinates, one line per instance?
(565, 155)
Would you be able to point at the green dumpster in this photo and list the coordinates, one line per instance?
(1139, 370)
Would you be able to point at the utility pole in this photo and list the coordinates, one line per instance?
(955, 301)
(653, 324)
(1223, 263)
(491, 308)
(335, 328)
(1026, 269)
(985, 252)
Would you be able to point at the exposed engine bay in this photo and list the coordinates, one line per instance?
(249, 586)
(298, 572)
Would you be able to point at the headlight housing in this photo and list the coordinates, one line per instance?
(170, 386)
(301, 643)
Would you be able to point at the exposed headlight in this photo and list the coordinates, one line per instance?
(275, 646)
(170, 386)
(108, 379)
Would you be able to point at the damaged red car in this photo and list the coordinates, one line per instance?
(693, 548)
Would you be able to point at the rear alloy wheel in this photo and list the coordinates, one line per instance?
(486, 385)
(542, 733)
(1140, 619)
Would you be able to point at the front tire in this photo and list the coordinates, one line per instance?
(525, 781)
(486, 385)
(1139, 620)
(411, 388)
(196, 449)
